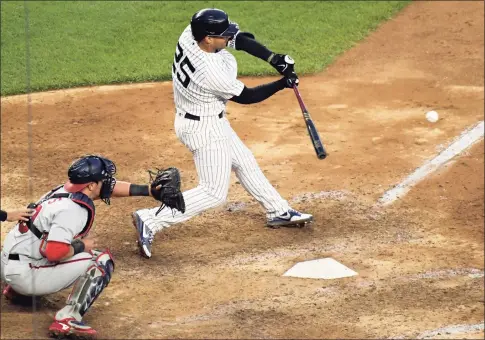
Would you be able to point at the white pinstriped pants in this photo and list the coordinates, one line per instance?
(217, 150)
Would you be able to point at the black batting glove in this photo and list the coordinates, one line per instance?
(291, 81)
(284, 64)
(288, 82)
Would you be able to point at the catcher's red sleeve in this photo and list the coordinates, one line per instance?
(55, 251)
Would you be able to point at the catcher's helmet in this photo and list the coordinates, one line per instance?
(212, 22)
(92, 168)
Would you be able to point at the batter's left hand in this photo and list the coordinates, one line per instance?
(284, 64)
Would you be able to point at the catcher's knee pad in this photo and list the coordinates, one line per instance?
(105, 260)
(90, 285)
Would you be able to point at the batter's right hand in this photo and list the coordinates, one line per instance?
(291, 81)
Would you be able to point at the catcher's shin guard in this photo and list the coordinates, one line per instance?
(89, 286)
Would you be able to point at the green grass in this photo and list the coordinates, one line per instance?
(77, 43)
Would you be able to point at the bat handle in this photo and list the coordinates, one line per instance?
(298, 97)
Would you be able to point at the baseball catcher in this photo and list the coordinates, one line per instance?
(52, 250)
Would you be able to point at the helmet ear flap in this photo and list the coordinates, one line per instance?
(197, 31)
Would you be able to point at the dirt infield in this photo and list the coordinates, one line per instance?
(420, 261)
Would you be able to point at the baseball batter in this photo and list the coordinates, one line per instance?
(52, 250)
(204, 78)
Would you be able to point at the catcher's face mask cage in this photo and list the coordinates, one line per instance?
(109, 181)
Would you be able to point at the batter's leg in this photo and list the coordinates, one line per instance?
(278, 211)
(213, 164)
(252, 178)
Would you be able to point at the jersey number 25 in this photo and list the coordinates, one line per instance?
(181, 66)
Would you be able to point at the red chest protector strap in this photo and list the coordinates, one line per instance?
(79, 198)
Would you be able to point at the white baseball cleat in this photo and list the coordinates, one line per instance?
(145, 236)
(291, 218)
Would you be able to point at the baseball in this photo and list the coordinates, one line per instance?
(432, 116)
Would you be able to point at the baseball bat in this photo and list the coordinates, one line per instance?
(312, 130)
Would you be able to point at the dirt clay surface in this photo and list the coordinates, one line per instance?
(420, 261)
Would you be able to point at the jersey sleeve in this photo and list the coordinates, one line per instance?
(221, 80)
(66, 224)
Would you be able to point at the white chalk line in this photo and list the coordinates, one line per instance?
(464, 141)
(454, 329)
(448, 330)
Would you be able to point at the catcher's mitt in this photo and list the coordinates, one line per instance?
(165, 187)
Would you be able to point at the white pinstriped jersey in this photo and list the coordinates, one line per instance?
(203, 82)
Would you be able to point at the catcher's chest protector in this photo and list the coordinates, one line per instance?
(87, 203)
(79, 198)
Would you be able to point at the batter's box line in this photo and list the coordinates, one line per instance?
(447, 330)
(463, 142)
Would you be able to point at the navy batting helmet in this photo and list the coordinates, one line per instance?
(92, 168)
(212, 22)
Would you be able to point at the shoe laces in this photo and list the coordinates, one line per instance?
(151, 236)
(78, 323)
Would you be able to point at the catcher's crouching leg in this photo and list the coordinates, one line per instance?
(68, 321)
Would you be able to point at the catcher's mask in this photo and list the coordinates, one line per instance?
(92, 168)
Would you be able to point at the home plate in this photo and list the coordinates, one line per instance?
(326, 268)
